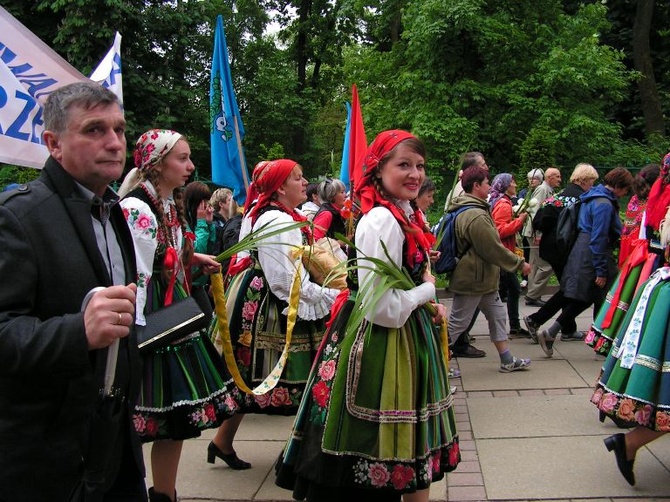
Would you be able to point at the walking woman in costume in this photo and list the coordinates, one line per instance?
(376, 422)
(634, 384)
(184, 388)
(635, 209)
(259, 298)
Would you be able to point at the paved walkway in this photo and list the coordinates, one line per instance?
(529, 435)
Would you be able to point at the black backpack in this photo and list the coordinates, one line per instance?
(567, 228)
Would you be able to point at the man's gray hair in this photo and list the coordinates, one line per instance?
(84, 94)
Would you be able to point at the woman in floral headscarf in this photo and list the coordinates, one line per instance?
(376, 422)
(259, 301)
(185, 387)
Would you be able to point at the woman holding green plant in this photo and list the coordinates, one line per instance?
(261, 301)
(376, 422)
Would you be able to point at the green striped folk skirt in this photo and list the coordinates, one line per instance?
(377, 414)
(634, 383)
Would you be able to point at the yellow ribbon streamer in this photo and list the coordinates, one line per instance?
(444, 338)
(225, 341)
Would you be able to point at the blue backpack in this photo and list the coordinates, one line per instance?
(445, 231)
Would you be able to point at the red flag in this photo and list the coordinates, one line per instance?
(358, 143)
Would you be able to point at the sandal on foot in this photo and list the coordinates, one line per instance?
(546, 342)
(577, 336)
(517, 364)
(454, 373)
(532, 327)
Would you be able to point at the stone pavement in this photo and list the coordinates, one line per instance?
(530, 435)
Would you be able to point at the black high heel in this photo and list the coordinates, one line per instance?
(155, 496)
(617, 443)
(233, 461)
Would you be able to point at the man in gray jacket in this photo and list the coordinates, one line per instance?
(474, 281)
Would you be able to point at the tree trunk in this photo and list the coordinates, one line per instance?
(651, 103)
(304, 11)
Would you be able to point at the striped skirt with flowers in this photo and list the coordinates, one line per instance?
(185, 387)
(634, 384)
(377, 415)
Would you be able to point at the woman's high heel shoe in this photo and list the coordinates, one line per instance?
(617, 443)
(233, 461)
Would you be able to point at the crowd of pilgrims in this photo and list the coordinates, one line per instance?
(370, 392)
(322, 304)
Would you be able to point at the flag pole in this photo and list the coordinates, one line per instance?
(243, 167)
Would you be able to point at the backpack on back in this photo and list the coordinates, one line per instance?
(445, 231)
(567, 228)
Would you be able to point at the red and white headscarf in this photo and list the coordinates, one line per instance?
(153, 146)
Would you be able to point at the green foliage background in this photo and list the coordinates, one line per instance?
(531, 83)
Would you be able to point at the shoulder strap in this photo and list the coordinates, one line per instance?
(468, 245)
(19, 190)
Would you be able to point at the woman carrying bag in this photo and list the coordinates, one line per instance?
(268, 348)
(185, 388)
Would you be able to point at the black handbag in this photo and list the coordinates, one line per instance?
(170, 323)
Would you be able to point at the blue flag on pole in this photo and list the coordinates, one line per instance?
(229, 168)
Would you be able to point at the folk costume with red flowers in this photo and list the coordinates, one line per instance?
(186, 387)
(258, 297)
(632, 328)
(377, 419)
